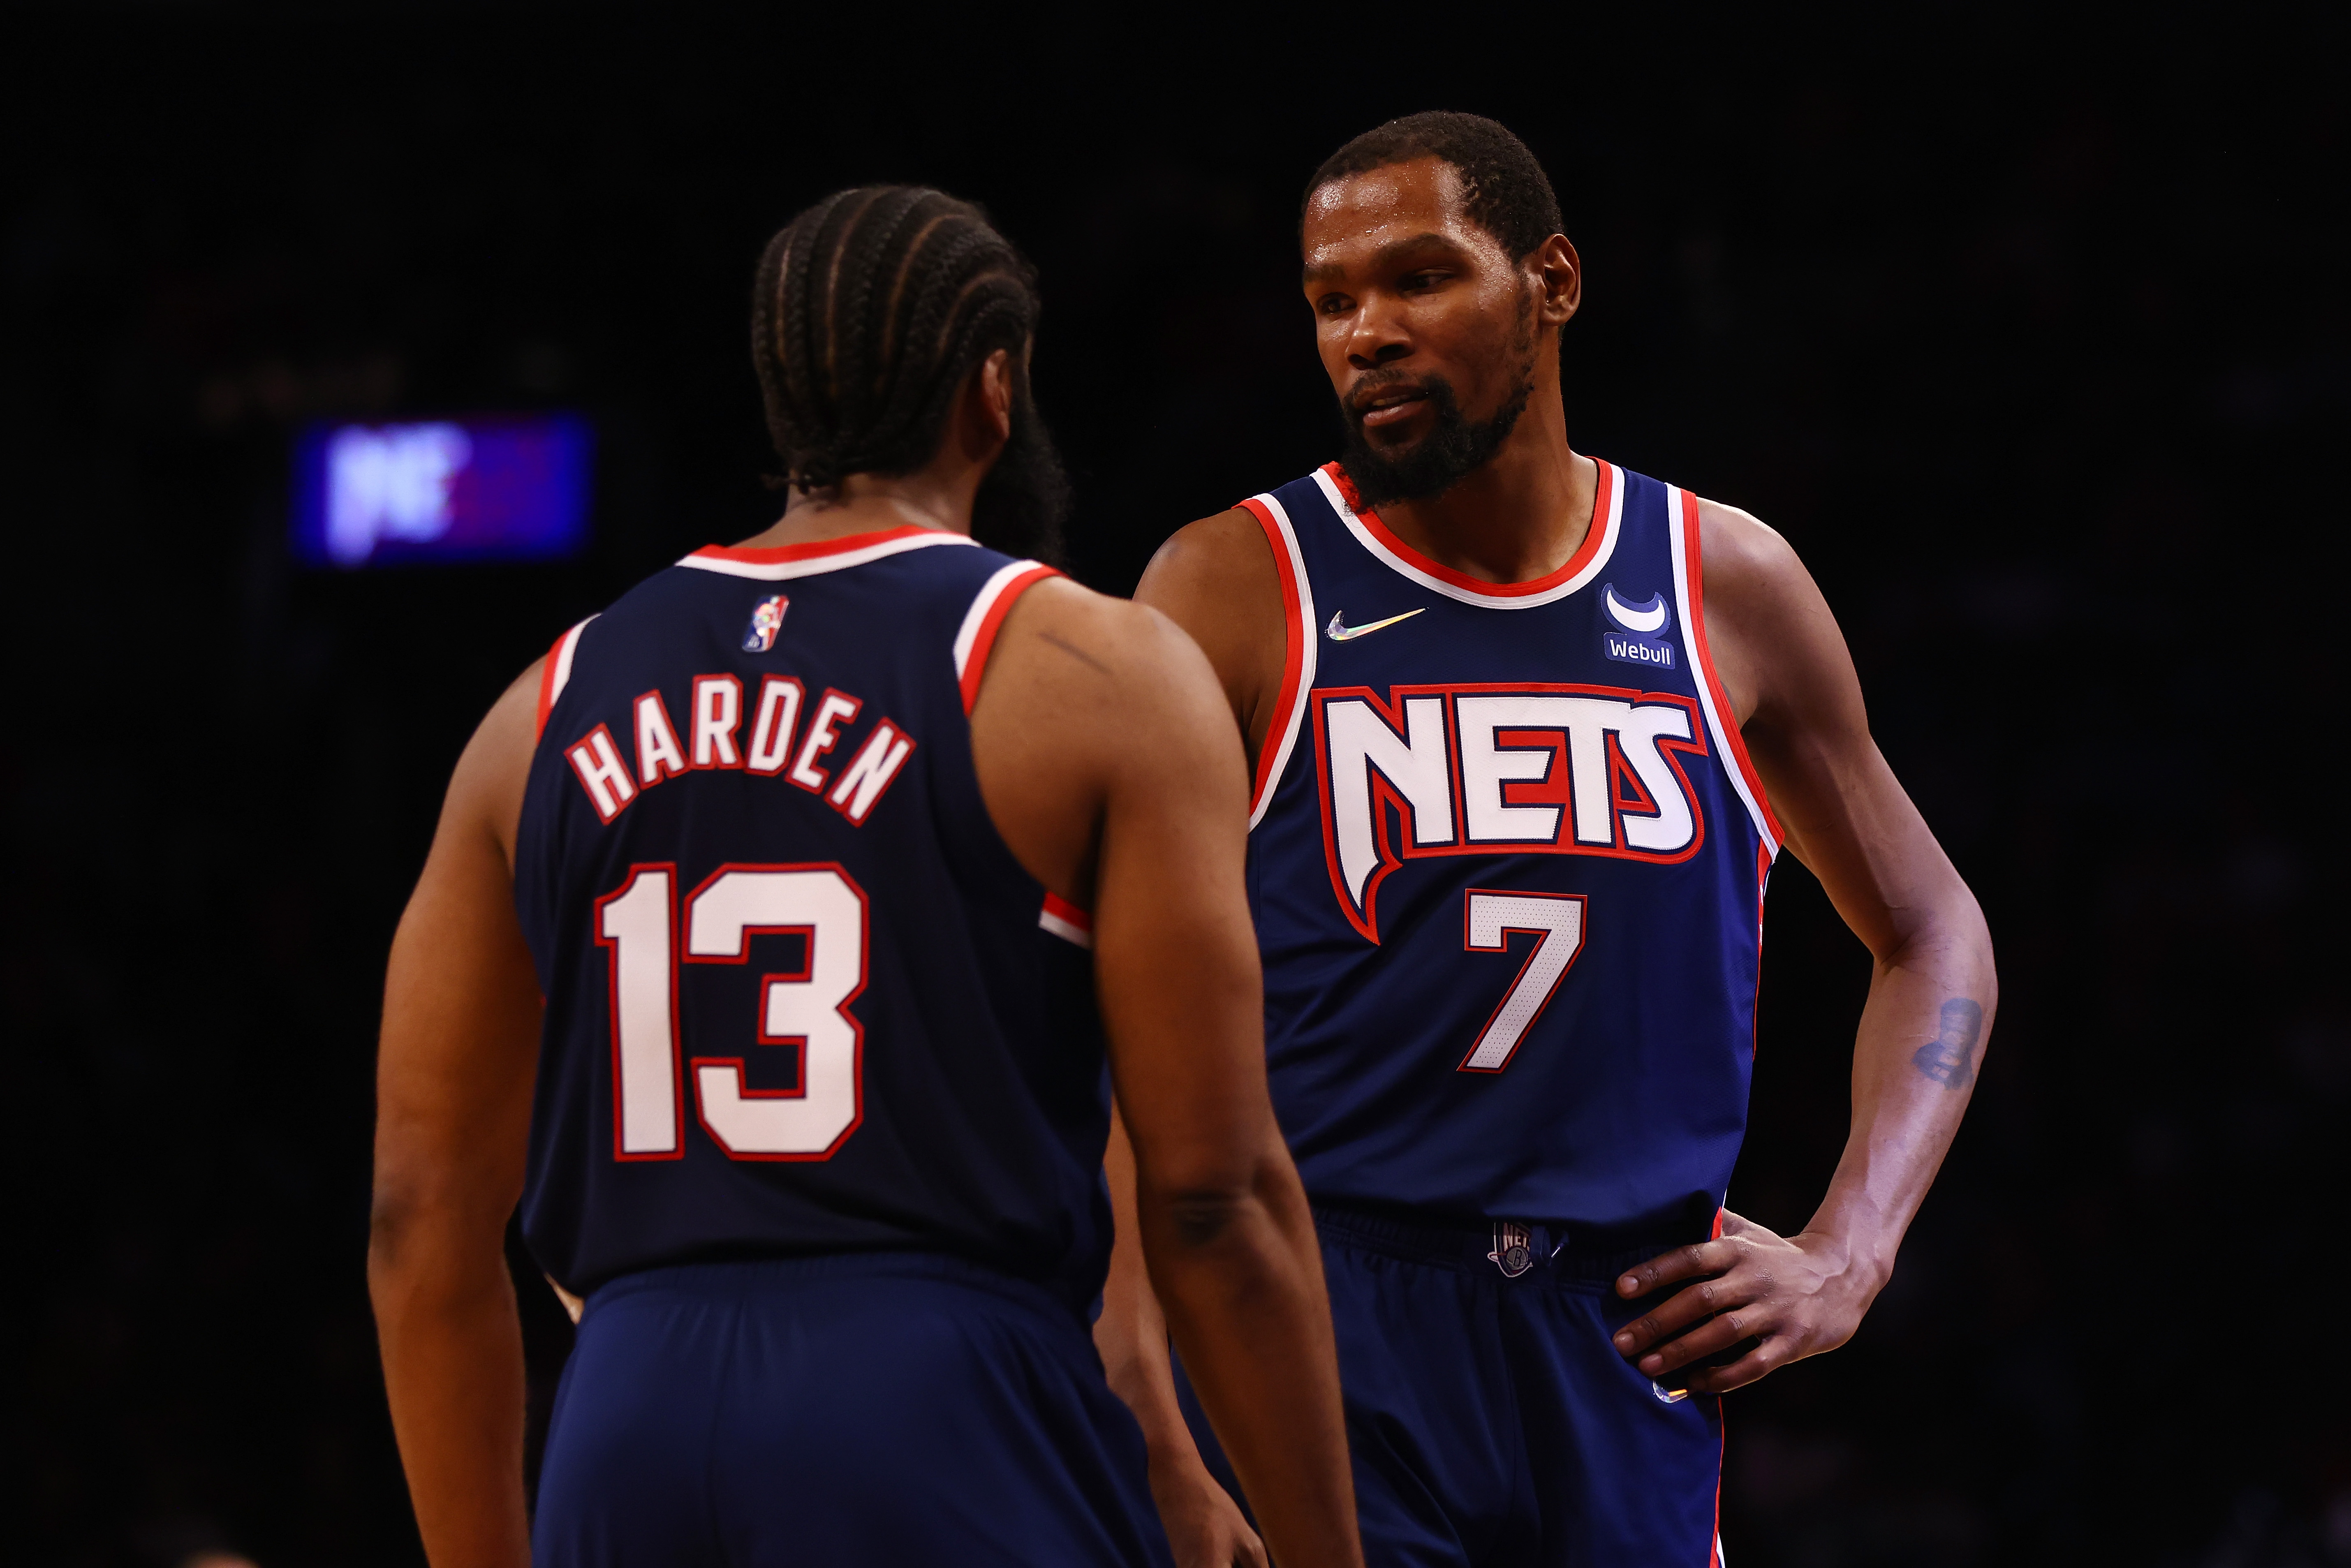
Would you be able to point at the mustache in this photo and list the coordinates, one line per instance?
(1355, 401)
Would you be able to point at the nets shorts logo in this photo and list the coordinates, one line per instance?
(1513, 1251)
(1634, 640)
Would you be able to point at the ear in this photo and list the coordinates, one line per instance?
(1558, 273)
(996, 392)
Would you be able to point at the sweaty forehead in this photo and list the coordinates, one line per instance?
(1356, 216)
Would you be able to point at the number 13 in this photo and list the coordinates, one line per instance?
(809, 1009)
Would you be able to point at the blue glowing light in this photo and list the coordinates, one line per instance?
(494, 488)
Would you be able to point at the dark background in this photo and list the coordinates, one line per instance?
(2030, 335)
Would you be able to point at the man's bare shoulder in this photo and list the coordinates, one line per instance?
(486, 789)
(1756, 584)
(1087, 699)
(1776, 644)
(1743, 556)
(1097, 647)
(1217, 579)
(1225, 553)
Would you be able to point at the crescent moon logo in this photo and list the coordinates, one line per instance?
(1646, 617)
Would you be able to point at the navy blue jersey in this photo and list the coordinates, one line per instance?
(800, 998)
(1507, 862)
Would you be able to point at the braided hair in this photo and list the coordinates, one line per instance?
(869, 311)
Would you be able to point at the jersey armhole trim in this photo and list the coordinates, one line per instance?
(1690, 588)
(984, 619)
(556, 674)
(1298, 652)
(1067, 921)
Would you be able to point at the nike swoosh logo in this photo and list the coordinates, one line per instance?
(1339, 632)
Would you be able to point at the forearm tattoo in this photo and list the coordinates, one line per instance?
(1950, 1059)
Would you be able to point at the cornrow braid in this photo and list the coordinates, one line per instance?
(868, 312)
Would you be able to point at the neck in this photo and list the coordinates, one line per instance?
(1521, 517)
(872, 503)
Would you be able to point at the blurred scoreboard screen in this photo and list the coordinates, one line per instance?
(497, 488)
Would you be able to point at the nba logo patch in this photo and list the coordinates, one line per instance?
(767, 620)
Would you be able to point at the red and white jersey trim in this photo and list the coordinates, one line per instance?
(984, 619)
(1590, 557)
(1298, 651)
(1689, 603)
(787, 561)
(556, 673)
(1067, 921)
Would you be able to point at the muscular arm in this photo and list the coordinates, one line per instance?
(1216, 580)
(1931, 994)
(1109, 763)
(453, 1076)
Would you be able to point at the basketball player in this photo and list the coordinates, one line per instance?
(1527, 732)
(798, 840)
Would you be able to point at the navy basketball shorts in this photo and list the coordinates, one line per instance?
(850, 1409)
(1491, 1420)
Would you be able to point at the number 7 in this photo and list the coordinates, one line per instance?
(1487, 920)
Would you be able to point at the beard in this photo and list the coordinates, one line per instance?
(1025, 497)
(1455, 446)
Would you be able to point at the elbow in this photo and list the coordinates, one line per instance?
(1950, 934)
(1198, 1219)
(409, 1231)
(393, 1222)
(432, 1256)
(1975, 934)
(1200, 1207)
